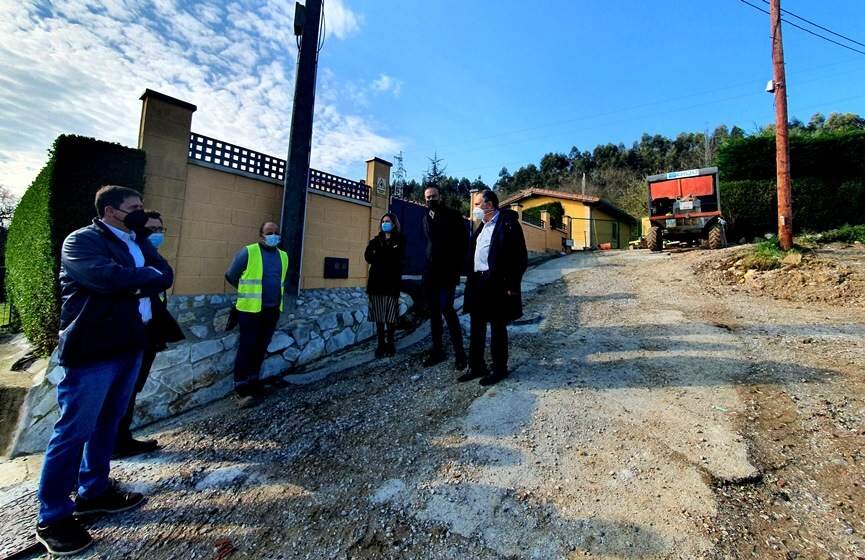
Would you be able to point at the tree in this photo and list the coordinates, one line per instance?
(504, 184)
(435, 174)
(8, 202)
(839, 122)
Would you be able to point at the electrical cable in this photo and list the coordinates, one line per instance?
(818, 26)
(788, 22)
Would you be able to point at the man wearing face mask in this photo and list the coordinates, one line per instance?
(258, 272)
(161, 330)
(493, 293)
(107, 276)
(447, 239)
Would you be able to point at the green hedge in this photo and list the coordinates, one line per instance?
(57, 203)
(828, 178)
(829, 155)
(751, 207)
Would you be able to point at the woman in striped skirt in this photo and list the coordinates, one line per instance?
(384, 255)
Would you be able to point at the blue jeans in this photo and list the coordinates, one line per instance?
(93, 399)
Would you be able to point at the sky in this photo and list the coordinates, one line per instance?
(483, 84)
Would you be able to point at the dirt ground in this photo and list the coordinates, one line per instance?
(655, 410)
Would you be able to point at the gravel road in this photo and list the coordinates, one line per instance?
(645, 417)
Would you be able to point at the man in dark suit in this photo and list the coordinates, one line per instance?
(447, 239)
(107, 277)
(161, 330)
(493, 293)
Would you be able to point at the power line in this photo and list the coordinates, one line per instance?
(806, 30)
(818, 26)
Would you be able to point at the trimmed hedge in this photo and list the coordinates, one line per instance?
(830, 155)
(751, 207)
(828, 182)
(57, 203)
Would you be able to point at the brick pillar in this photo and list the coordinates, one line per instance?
(378, 179)
(518, 208)
(163, 134)
(545, 217)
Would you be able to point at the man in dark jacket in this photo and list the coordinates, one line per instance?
(493, 291)
(447, 239)
(159, 331)
(107, 276)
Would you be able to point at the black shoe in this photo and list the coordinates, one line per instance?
(493, 378)
(113, 500)
(434, 358)
(390, 350)
(461, 363)
(64, 538)
(380, 352)
(130, 447)
(473, 373)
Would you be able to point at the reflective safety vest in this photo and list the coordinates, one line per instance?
(249, 287)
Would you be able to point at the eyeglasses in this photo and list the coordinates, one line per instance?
(157, 230)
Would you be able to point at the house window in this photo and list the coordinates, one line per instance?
(616, 234)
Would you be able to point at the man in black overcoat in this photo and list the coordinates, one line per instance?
(447, 239)
(498, 259)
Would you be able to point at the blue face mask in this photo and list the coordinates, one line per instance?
(387, 227)
(271, 239)
(156, 239)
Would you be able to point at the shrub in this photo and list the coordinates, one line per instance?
(556, 210)
(57, 203)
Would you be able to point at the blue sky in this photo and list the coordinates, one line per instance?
(484, 84)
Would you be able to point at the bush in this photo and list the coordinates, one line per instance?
(751, 207)
(828, 155)
(57, 203)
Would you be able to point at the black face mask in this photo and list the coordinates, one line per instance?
(433, 204)
(135, 220)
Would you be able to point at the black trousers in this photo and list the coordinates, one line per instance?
(124, 433)
(256, 330)
(484, 312)
(441, 303)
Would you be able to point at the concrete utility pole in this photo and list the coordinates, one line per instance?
(307, 19)
(782, 146)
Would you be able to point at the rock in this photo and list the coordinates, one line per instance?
(199, 330)
(279, 342)
(220, 320)
(346, 318)
(312, 351)
(186, 317)
(230, 342)
(327, 322)
(217, 299)
(222, 478)
(205, 349)
(300, 332)
(172, 357)
(792, 259)
(390, 491)
(340, 341)
(365, 331)
(415, 377)
(56, 374)
(291, 355)
(273, 366)
(358, 316)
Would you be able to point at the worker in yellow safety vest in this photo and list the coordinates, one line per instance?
(258, 271)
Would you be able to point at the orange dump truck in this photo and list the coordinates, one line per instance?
(685, 206)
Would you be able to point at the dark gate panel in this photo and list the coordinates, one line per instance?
(410, 216)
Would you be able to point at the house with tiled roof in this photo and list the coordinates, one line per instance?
(589, 222)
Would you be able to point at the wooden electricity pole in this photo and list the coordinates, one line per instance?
(782, 146)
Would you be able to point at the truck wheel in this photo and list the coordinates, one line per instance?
(655, 240)
(716, 237)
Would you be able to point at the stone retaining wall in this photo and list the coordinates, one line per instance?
(199, 370)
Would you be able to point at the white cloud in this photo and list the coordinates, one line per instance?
(79, 67)
(386, 83)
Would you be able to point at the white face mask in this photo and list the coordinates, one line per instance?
(478, 213)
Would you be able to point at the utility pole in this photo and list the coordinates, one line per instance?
(306, 25)
(782, 146)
